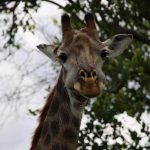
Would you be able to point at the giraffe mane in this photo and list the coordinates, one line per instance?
(41, 119)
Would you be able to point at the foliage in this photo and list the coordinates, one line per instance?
(16, 19)
(128, 88)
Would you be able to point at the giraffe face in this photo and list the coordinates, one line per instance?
(82, 60)
(82, 55)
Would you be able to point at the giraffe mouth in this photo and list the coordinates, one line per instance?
(89, 88)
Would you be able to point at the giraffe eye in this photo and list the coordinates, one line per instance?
(104, 54)
(63, 57)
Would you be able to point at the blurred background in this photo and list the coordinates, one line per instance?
(120, 118)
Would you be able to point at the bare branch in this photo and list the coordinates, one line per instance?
(60, 6)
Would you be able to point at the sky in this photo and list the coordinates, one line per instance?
(16, 123)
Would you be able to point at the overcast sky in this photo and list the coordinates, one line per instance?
(16, 124)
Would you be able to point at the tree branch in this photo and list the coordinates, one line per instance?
(60, 6)
(136, 35)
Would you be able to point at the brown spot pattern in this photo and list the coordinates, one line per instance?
(80, 47)
(54, 108)
(47, 139)
(65, 116)
(77, 105)
(65, 147)
(45, 128)
(55, 147)
(38, 147)
(69, 135)
(54, 128)
(76, 122)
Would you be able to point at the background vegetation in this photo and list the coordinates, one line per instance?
(128, 87)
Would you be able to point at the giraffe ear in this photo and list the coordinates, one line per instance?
(117, 44)
(48, 50)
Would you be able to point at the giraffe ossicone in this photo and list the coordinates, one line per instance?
(81, 54)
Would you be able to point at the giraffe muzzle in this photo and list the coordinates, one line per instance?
(88, 84)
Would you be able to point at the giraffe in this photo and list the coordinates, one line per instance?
(81, 55)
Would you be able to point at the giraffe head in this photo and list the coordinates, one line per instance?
(82, 54)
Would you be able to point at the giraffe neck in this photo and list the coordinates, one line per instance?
(61, 126)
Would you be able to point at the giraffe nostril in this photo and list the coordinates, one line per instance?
(83, 74)
(93, 74)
